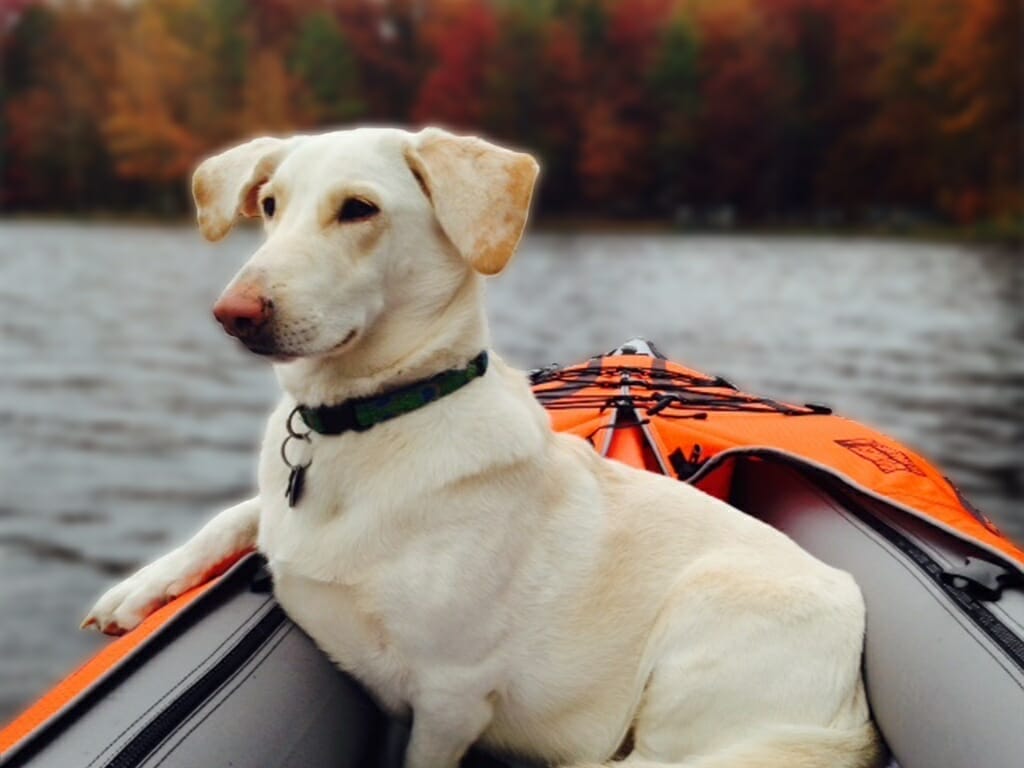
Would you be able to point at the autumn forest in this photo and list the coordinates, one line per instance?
(835, 112)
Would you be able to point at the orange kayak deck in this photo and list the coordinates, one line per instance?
(652, 413)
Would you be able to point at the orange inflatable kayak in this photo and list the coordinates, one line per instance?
(695, 427)
(221, 677)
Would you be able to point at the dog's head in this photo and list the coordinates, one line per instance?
(360, 224)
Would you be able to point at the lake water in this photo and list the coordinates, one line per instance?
(127, 417)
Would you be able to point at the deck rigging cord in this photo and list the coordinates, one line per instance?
(652, 392)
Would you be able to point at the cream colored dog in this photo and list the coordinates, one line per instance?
(467, 564)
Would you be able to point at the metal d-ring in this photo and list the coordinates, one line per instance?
(293, 434)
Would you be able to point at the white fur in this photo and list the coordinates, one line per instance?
(465, 562)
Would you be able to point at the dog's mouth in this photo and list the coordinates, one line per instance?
(350, 337)
(267, 346)
(275, 355)
(269, 350)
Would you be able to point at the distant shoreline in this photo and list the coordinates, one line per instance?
(984, 235)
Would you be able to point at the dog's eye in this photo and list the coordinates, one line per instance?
(355, 209)
(268, 207)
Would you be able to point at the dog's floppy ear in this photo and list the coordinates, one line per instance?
(226, 184)
(480, 193)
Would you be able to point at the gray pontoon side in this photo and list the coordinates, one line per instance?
(944, 655)
(229, 681)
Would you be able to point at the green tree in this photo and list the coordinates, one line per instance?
(26, 35)
(322, 59)
(675, 90)
(512, 84)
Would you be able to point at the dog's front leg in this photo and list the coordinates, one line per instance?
(124, 606)
(444, 727)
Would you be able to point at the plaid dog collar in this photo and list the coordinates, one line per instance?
(360, 414)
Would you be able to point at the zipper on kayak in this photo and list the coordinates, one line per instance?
(186, 704)
(963, 591)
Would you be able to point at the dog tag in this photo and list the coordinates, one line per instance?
(296, 482)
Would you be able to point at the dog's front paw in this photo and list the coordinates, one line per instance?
(125, 605)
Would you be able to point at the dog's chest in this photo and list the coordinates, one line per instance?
(395, 622)
(391, 584)
(357, 638)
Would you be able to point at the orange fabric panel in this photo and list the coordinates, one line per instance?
(628, 447)
(586, 425)
(867, 457)
(719, 483)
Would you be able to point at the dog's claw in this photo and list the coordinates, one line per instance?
(113, 630)
(88, 621)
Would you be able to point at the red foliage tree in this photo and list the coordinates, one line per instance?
(461, 39)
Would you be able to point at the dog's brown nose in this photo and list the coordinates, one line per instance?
(243, 312)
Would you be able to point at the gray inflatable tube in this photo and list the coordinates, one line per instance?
(944, 653)
(232, 682)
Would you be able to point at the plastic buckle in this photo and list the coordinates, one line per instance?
(983, 579)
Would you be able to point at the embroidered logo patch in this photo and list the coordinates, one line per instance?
(887, 458)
